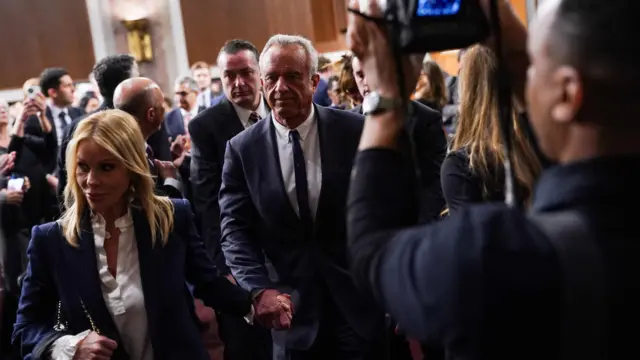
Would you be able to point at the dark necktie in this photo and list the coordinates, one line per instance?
(302, 187)
(150, 158)
(63, 119)
(253, 118)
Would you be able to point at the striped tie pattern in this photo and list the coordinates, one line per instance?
(253, 118)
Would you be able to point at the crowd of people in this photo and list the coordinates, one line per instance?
(263, 216)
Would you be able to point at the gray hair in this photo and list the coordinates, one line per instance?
(189, 82)
(285, 40)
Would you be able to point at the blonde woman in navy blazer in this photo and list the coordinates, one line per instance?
(109, 280)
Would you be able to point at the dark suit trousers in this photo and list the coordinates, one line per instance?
(337, 340)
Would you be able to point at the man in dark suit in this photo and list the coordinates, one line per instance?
(177, 120)
(210, 131)
(428, 152)
(57, 86)
(109, 72)
(143, 98)
(283, 197)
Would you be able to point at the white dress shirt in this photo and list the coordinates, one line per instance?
(55, 113)
(310, 143)
(123, 294)
(243, 114)
(204, 98)
(188, 116)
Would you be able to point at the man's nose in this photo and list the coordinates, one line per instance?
(281, 85)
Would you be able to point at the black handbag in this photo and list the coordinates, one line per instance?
(43, 349)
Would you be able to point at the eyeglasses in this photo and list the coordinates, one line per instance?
(182, 93)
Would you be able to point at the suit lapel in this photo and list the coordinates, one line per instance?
(231, 119)
(84, 269)
(148, 272)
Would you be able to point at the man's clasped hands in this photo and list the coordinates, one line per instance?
(273, 309)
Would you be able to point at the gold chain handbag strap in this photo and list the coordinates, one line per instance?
(61, 325)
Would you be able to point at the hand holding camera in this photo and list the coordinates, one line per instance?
(368, 35)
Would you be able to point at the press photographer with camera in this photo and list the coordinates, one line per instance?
(492, 281)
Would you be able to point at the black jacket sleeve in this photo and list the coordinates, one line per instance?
(205, 181)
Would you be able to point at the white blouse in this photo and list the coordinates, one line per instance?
(123, 294)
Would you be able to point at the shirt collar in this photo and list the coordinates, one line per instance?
(121, 223)
(588, 182)
(55, 110)
(204, 98)
(243, 114)
(303, 129)
(193, 111)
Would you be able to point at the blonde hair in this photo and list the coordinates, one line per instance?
(478, 130)
(118, 133)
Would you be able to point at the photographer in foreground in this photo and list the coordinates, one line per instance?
(488, 282)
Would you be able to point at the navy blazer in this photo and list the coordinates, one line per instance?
(59, 271)
(174, 122)
(257, 217)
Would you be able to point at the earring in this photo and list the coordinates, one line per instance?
(132, 192)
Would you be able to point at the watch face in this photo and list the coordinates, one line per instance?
(370, 102)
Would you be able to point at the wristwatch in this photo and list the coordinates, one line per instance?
(374, 103)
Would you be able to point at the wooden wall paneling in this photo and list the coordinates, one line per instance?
(329, 19)
(324, 21)
(43, 33)
(209, 24)
(291, 17)
(340, 10)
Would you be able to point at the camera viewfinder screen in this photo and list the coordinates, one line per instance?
(438, 7)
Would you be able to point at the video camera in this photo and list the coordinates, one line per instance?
(434, 25)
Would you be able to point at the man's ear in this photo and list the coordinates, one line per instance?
(315, 79)
(52, 93)
(572, 88)
(151, 112)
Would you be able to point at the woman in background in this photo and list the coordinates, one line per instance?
(108, 280)
(431, 89)
(473, 170)
(348, 89)
(89, 102)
